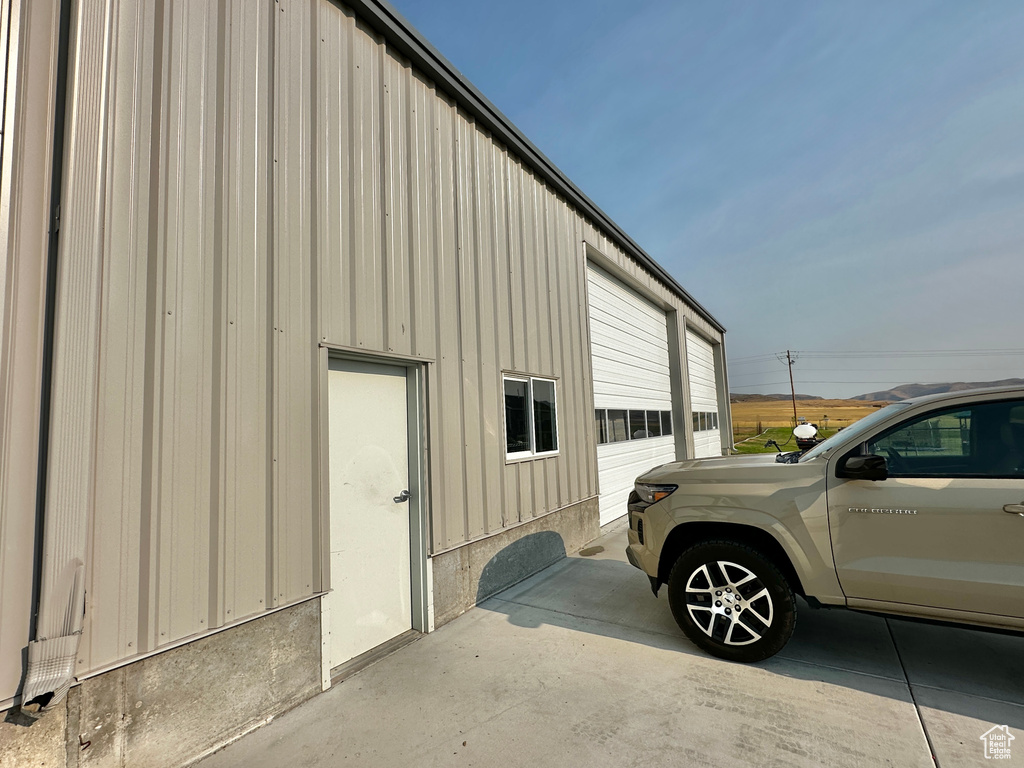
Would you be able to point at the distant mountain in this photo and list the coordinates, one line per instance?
(734, 398)
(906, 391)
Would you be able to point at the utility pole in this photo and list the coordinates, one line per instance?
(792, 389)
(789, 359)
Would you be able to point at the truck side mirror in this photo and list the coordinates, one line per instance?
(868, 467)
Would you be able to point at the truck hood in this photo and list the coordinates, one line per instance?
(715, 463)
(741, 480)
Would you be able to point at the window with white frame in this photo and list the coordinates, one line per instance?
(531, 419)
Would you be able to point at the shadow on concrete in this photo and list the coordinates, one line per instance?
(610, 598)
(518, 561)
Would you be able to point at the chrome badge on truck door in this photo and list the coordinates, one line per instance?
(883, 511)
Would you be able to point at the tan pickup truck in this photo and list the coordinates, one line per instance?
(916, 510)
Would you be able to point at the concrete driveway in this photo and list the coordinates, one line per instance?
(581, 665)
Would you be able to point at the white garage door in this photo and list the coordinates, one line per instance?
(707, 438)
(632, 389)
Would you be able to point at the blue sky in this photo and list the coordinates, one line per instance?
(822, 176)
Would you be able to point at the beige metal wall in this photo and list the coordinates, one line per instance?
(435, 242)
(185, 367)
(244, 181)
(28, 47)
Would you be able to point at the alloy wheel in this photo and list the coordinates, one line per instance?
(729, 603)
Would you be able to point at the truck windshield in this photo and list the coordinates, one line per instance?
(854, 430)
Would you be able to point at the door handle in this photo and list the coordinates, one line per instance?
(405, 495)
(1014, 509)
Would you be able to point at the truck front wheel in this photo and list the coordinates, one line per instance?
(732, 601)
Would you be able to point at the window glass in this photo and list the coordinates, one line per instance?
(703, 421)
(517, 427)
(653, 424)
(714, 419)
(983, 440)
(544, 426)
(941, 434)
(857, 429)
(637, 425)
(666, 422)
(618, 429)
(601, 426)
(696, 422)
(1000, 437)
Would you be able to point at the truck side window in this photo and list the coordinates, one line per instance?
(983, 440)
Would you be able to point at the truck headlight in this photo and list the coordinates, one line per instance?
(652, 493)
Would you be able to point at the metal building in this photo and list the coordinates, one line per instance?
(306, 349)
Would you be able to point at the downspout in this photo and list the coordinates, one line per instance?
(58, 597)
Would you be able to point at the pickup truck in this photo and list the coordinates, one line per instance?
(916, 510)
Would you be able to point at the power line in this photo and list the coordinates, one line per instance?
(860, 354)
(914, 353)
(811, 381)
(866, 370)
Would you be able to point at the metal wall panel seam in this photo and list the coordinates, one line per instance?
(501, 342)
(112, 563)
(270, 542)
(485, 245)
(450, 421)
(468, 326)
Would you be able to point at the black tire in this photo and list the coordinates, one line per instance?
(717, 572)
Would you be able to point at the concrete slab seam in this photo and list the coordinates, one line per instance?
(840, 669)
(1018, 705)
(910, 689)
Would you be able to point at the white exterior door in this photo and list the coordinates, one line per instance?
(632, 388)
(371, 593)
(700, 362)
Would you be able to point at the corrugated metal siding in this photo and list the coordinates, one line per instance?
(28, 41)
(193, 122)
(252, 178)
(436, 243)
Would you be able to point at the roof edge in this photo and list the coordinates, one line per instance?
(386, 21)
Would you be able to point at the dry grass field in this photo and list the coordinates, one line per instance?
(829, 415)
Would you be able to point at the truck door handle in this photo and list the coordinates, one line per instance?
(405, 495)
(1014, 509)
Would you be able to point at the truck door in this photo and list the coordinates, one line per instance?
(942, 530)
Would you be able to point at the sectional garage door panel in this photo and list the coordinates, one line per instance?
(629, 355)
(700, 362)
(629, 346)
(619, 464)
